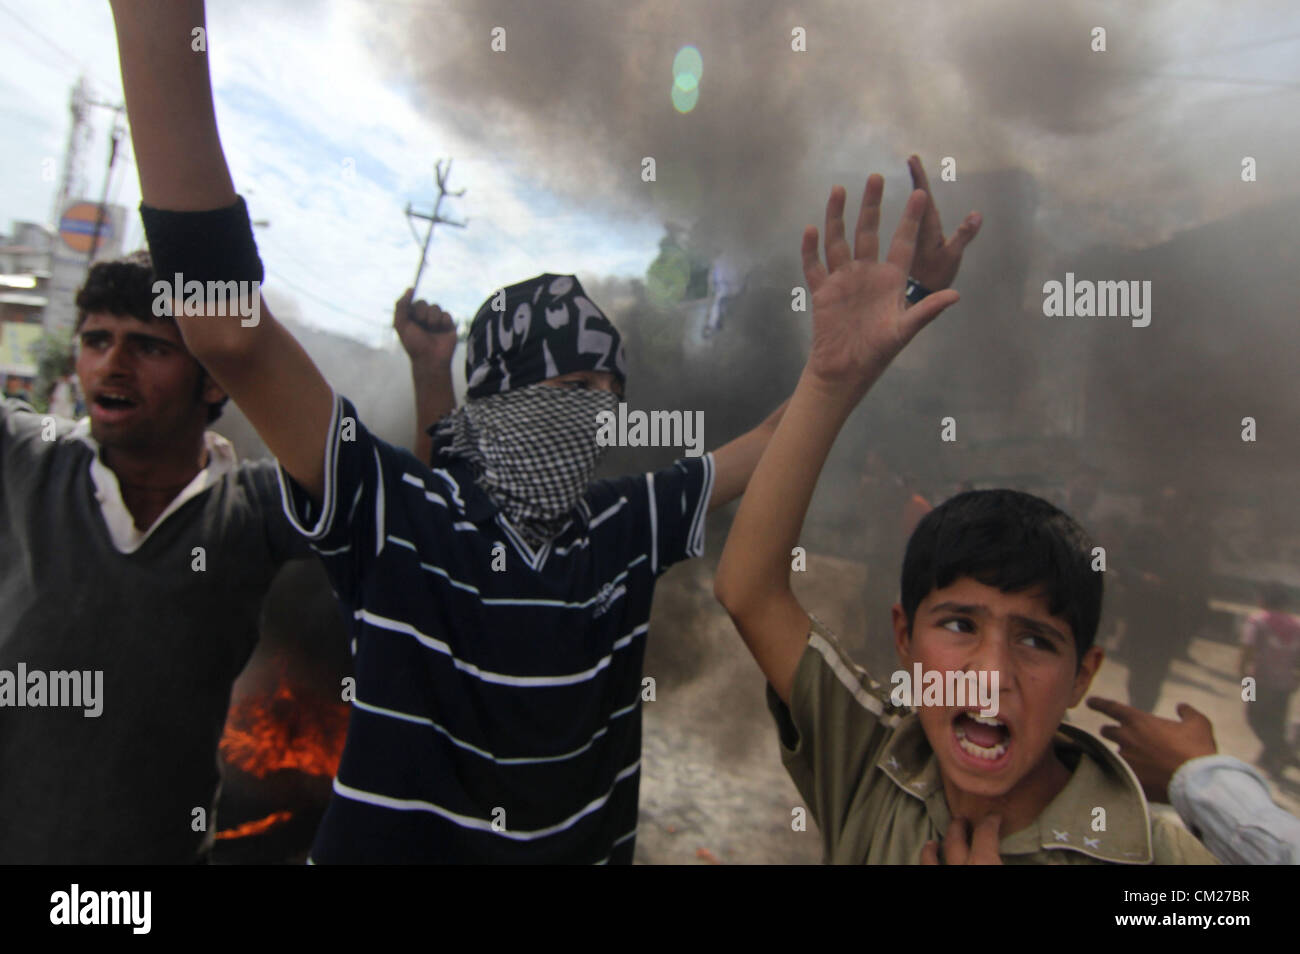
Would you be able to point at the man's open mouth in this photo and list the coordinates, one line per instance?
(983, 738)
(114, 400)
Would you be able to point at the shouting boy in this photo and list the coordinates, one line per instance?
(996, 583)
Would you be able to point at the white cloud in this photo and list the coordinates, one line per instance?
(297, 95)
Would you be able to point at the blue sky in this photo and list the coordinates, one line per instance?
(322, 149)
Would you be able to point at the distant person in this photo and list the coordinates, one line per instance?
(1221, 799)
(882, 497)
(914, 509)
(728, 282)
(63, 397)
(894, 508)
(1167, 570)
(1270, 655)
(15, 388)
(1081, 492)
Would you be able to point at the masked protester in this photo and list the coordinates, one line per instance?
(500, 597)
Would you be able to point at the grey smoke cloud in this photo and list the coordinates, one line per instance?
(581, 95)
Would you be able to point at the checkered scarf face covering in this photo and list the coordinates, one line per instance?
(533, 451)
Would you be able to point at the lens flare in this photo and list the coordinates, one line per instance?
(688, 68)
(688, 60)
(683, 100)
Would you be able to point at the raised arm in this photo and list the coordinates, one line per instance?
(183, 169)
(934, 266)
(860, 322)
(734, 461)
(428, 335)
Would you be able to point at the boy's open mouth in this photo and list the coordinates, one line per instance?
(986, 741)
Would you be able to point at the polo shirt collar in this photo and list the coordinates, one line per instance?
(1101, 779)
(126, 537)
(472, 501)
(478, 507)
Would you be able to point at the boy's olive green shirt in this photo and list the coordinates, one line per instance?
(871, 780)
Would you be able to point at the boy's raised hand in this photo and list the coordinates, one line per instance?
(861, 319)
(937, 260)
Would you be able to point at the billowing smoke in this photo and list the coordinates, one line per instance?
(580, 95)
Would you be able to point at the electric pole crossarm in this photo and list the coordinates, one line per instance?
(441, 174)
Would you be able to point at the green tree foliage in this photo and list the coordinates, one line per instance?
(55, 358)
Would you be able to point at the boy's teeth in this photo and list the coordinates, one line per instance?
(969, 747)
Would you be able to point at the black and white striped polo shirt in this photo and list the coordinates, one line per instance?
(498, 689)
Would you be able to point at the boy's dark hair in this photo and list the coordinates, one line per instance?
(124, 286)
(1012, 541)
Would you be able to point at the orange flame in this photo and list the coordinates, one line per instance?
(254, 827)
(268, 733)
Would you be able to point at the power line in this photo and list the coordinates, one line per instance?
(76, 61)
(368, 321)
(279, 251)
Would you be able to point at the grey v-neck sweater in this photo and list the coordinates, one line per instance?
(122, 786)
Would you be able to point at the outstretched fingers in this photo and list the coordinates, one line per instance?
(967, 231)
(866, 239)
(838, 253)
(931, 234)
(903, 247)
(814, 272)
(926, 310)
(1121, 713)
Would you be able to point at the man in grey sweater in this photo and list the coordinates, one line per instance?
(137, 551)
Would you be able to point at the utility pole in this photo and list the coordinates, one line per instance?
(66, 266)
(115, 138)
(442, 173)
(78, 135)
(79, 105)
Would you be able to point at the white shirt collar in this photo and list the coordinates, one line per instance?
(121, 525)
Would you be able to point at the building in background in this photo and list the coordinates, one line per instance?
(40, 272)
(24, 297)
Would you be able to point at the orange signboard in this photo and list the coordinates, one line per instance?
(77, 227)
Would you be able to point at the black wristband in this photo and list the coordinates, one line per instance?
(216, 245)
(916, 291)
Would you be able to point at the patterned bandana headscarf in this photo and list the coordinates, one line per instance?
(532, 446)
(539, 329)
